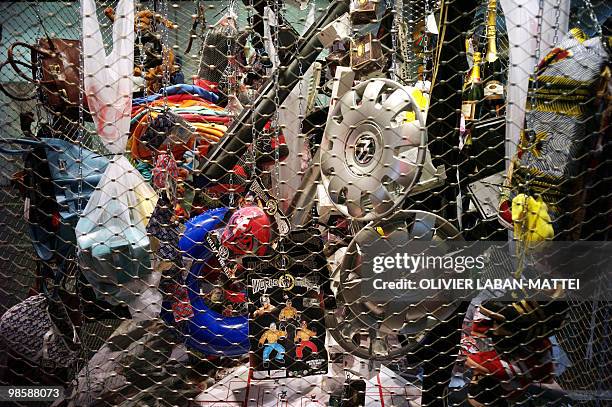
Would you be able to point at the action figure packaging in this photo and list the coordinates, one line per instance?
(286, 307)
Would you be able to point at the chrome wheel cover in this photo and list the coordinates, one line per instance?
(373, 149)
(387, 330)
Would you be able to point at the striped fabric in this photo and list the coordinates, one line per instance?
(559, 127)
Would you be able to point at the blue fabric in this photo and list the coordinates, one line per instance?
(269, 347)
(177, 90)
(562, 361)
(178, 77)
(145, 170)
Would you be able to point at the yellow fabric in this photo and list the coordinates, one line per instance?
(272, 336)
(210, 131)
(531, 220)
(578, 34)
(421, 99)
(147, 200)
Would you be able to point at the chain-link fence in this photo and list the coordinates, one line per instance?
(306, 203)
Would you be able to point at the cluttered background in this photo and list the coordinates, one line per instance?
(186, 189)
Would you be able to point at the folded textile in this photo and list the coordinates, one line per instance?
(178, 90)
(190, 117)
(144, 169)
(194, 110)
(206, 133)
(559, 122)
(192, 102)
(198, 118)
(176, 98)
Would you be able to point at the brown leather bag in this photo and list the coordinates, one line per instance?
(363, 11)
(366, 54)
(55, 69)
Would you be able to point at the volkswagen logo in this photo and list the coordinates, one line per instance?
(365, 147)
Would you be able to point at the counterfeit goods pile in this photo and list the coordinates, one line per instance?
(343, 203)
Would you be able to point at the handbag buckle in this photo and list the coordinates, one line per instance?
(54, 69)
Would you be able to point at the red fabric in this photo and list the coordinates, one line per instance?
(239, 170)
(527, 364)
(481, 326)
(221, 189)
(165, 166)
(206, 84)
(532, 364)
(181, 97)
(181, 307)
(235, 297)
(203, 149)
(505, 211)
(137, 109)
(281, 141)
(198, 118)
(299, 351)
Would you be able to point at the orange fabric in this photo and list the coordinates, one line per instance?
(208, 132)
(185, 103)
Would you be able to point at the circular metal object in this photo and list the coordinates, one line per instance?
(373, 148)
(385, 330)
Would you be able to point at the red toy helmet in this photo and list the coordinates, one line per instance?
(248, 231)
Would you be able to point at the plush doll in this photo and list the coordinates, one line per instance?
(159, 63)
(144, 20)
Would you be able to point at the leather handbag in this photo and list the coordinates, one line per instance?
(55, 69)
(338, 57)
(366, 54)
(363, 11)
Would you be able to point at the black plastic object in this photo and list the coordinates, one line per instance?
(227, 153)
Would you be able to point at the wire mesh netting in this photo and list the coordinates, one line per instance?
(306, 203)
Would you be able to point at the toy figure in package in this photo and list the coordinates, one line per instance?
(287, 328)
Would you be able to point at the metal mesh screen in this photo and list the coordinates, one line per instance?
(209, 203)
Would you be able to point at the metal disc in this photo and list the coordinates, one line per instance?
(373, 149)
(389, 329)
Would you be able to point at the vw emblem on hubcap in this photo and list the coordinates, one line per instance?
(365, 147)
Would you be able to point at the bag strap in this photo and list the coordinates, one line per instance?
(57, 310)
(21, 141)
(35, 50)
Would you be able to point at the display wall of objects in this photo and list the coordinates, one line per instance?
(340, 203)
